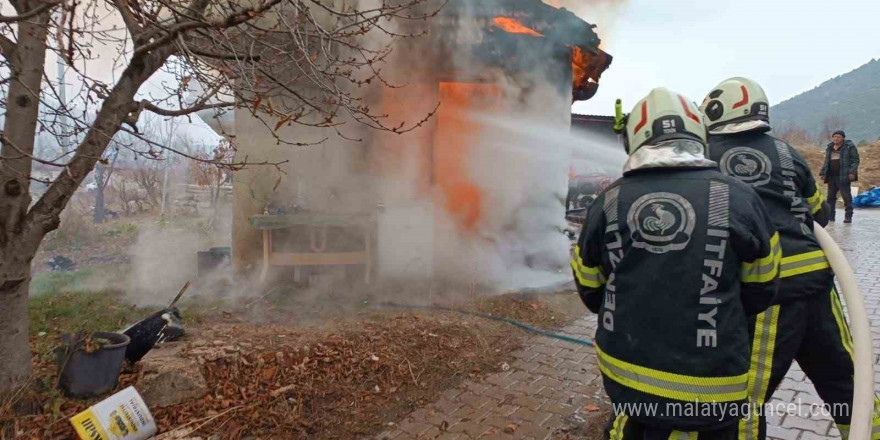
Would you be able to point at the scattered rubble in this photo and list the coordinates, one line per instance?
(166, 379)
(232, 381)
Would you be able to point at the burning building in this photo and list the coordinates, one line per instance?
(475, 191)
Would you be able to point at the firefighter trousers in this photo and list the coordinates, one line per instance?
(813, 332)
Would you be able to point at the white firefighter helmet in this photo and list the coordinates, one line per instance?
(736, 100)
(663, 115)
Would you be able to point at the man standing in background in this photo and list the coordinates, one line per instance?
(840, 169)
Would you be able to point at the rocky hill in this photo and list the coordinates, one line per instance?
(850, 101)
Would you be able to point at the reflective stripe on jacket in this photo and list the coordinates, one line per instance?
(673, 261)
(781, 176)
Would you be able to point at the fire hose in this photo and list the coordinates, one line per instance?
(526, 327)
(863, 353)
(863, 388)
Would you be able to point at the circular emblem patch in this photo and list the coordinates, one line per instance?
(661, 222)
(748, 165)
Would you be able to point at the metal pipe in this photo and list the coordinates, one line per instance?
(863, 387)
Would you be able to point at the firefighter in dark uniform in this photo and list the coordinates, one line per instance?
(674, 257)
(807, 318)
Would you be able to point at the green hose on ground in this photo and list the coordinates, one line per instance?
(521, 325)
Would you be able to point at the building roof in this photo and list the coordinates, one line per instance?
(595, 118)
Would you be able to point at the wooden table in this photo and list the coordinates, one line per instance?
(270, 223)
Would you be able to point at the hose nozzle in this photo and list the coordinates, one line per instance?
(619, 117)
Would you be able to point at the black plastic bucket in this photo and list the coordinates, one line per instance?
(212, 259)
(90, 374)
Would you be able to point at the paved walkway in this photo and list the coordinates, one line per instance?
(553, 388)
(860, 242)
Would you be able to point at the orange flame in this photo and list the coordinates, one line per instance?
(579, 64)
(514, 26)
(456, 140)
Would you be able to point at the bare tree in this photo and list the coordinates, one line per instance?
(285, 61)
(127, 191)
(829, 125)
(149, 179)
(163, 131)
(103, 174)
(793, 134)
(213, 178)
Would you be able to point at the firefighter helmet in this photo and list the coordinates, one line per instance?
(736, 100)
(663, 115)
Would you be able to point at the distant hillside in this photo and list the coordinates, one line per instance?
(853, 98)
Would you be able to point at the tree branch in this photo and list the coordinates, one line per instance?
(234, 19)
(29, 14)
(146, 105)
(5, 141)
(44, 215)
(224, 56)
(110, 172)
(217, 161)
(130, 21)
(7, 47)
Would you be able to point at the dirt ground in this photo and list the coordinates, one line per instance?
(342, 381)
(317, 364)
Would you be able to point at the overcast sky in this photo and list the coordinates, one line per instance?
(689, 46)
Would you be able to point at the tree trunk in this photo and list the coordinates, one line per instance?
(17, 249)
(22, 229)
(15, 354)
(100, 206)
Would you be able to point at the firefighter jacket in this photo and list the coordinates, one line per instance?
(781, 176)
(673, 260)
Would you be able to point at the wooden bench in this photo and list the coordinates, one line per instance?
(269, 223)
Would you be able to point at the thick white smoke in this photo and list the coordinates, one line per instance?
(520, 151)
(603, 13)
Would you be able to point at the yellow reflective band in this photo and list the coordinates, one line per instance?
(764, 269)
(803, 263)
(875, 422)
(673, 386)
(618, 427)
(763, 346)
(842, 327)
(803, 257)
(587, 276)
(586, 280)
(815, 202)
(683, 435)
(844, 431)
(845, 335)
